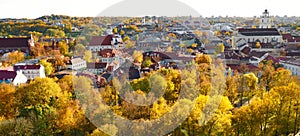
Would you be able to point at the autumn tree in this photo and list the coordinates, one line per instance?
(63, 48)
(7, 101)
(79, 50)
(202, 58)
(88, 56)
(169, 49)
(38, 101)
(231, 90)
(220, 48)
(16, 126)
(48, 67)
(258, 45)
(15, 57)
(129, 44)
(126, 38)
(137, 56)
(210, 116)
(66, 84)
(146, 63)
(38, 50)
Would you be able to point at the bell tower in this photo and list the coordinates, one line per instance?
(265, 20)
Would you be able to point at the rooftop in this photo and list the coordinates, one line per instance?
(101, 40)
(259, 31)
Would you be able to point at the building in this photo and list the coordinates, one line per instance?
(31, 71)
(12, 77)
(291, 64)
(13, 44)
(76, 64)
(97, 68)
(266, 35)
(99, 43)
(265, 20)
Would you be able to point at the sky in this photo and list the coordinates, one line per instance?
(206, 8)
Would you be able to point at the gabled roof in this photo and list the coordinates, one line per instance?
(259, 31)
(101, 40)
(15, 42)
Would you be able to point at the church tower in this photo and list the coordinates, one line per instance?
(265, 20)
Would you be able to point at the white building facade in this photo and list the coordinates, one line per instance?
(76, 64)
(292, 65)
(31, 71)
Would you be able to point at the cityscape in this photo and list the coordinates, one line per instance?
(150, 75)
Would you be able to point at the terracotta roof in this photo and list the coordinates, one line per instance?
(290, 38)
(107, 53)
(96, 65)
(101, 40)
(110, 68)
(259, 31)
(14, 42)
(4, 74)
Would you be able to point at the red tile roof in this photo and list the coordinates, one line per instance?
(101, 40)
